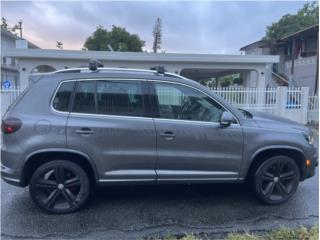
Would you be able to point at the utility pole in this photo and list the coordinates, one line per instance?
(293, 56)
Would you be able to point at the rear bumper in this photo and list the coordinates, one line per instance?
(11, 167)
(11, 176)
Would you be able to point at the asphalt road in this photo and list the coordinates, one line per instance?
(137, 212)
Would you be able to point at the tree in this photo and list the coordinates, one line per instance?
(226, 81)
(157, 35)
(4, 24)
(118, 38)
(307, 16)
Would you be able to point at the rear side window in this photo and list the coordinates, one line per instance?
(123, 98)
(84, 99)
(109, 97)
(62, 97)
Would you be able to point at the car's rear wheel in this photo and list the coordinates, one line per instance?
(59, 186)
(276, 179)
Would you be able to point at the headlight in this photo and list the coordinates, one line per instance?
(310, 139)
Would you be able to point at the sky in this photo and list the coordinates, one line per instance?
(212, 27)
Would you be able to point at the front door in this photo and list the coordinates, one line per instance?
(108, 122)
(191, 144)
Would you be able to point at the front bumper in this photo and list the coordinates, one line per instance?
(312, 155)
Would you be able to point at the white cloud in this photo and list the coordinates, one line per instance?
(200, 27)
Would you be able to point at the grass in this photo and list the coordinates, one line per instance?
(279, 234)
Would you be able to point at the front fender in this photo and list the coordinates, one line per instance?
(250, 159)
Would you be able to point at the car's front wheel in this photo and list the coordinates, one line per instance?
(276, 179)
(59, 186)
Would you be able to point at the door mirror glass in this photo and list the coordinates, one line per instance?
(226, 119)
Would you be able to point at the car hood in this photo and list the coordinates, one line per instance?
(265, 120)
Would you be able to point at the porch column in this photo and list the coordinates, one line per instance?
(261, 94)
(261, 78)
(293, 55)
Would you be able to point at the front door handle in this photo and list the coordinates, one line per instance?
(84, 131)
(168, 135)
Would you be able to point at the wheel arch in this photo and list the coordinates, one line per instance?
(264, 153)
(39, 157)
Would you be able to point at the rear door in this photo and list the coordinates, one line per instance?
(109, 122)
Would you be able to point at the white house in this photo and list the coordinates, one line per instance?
(194, 66)
(9, 65)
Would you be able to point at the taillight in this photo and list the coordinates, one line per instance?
(11, 125)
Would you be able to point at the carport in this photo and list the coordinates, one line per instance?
(254, 68)
(249, 76)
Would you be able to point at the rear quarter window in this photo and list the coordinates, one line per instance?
(61, 100)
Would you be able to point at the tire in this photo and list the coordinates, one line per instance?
(276, 180)
(59, 187)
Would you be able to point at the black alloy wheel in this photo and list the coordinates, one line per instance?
(276, 179)
(59, 186)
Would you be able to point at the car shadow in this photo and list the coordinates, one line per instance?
(173, 192)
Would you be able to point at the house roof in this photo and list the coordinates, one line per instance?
(138, 56)
(313, 30)
(259, 44)
(9, 34)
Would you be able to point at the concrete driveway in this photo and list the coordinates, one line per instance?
(137, 212)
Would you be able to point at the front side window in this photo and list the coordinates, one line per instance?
(62, 98)
(185, 103)
(109, 97)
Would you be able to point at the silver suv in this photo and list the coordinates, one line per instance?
(76, 128)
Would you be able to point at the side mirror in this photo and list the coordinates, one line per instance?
(226, 119)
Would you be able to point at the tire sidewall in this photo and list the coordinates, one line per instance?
(85, 184)
(259, 171)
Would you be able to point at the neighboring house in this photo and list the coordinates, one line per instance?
(9, 65)
(298, 65)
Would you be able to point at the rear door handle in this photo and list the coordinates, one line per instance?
(84, 131)
(168, 135)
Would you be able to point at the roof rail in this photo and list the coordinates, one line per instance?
(72, 70)
(86, 70)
